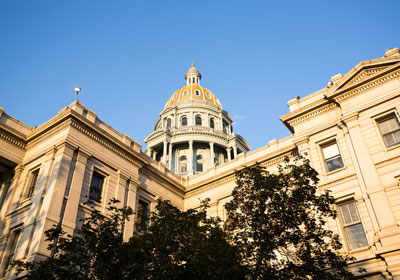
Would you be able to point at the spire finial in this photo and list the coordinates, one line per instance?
(193, 64)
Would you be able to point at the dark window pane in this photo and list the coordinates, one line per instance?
(356, 236)
(198, 120)
(96, 187)
(334, 163)
(184, 121)
(212, 123)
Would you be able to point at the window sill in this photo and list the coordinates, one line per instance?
(336, 170)
(387, 149)
(361, 249)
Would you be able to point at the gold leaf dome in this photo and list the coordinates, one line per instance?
(193, 92)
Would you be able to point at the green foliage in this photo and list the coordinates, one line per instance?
(172, 245)
(277, 221)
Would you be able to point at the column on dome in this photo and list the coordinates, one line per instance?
(149, 150)
(228, 151)
(170, 156)
(212, 154)
(190, 159)
(234, 151)
(165, 153)
(155, 155)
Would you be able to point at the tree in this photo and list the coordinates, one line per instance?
(186, 245)
(96, 251)
(172, 244)
(278, 222)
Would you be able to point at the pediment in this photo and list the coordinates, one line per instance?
(363, 73)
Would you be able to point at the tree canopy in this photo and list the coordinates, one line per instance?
(172, 244)
(276, 229)
(278, 222)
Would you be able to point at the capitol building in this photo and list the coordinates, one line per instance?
(349, 130)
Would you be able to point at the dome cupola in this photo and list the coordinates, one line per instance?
(193, 76)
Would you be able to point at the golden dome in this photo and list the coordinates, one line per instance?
(193, 92)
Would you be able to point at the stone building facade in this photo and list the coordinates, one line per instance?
(349, 130)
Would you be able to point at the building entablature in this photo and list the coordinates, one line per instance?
(364, 77)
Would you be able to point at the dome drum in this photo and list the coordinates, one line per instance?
(193, 133)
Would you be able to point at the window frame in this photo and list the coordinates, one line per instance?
(344, 225)
(212, 122)
(198, 117)
(382, 119)
(199, 162)
(186, 121)
(32, 182)
(326, 145)
(101, 192)
(183, 160)
(144, 218)
(12, 244)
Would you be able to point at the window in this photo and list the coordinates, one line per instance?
(198, 120)
(183, 164)
(185, 93)
(32, 183)
(174, 97)
(199, 163)
(352, 226)
(197, 93)
(390, 130)
(184, 121)
(168, 123)
(211, 123)
(13, 247)
(332, 157)
(96, 187)
(224, 127)
(208, 95)
(142, 212)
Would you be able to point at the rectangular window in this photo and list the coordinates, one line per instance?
(352, 226)
(142, 212)
(32, 183)
(96, 187)
(13, 246)
(390, 130)
(332, 156)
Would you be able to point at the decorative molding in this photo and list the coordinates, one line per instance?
(106, 143)
(312, 114)
(347, 95)
(12, 139)
(231, 177)
(161, 181)
(365, 74)
(38, 139)
(368, 86)
(214, 184)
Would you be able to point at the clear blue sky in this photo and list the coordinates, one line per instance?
(130, 56)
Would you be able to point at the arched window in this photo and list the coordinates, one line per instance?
(198, 120)
(211, 123)
(168, 123)
(184, 121)
(197, 92)
(199, 163)
(183, 164)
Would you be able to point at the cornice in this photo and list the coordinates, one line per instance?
(312, 114)
(338, 95)
(101, 139)
(367, 86)
(230, 175)
(12, 139)
(177, 189)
